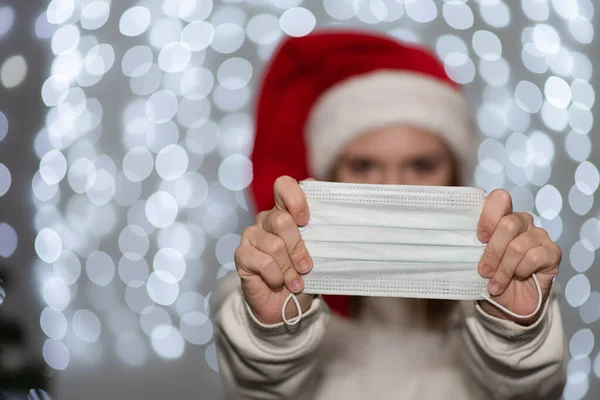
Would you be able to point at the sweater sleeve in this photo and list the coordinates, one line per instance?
(511, 361)
(258, 361)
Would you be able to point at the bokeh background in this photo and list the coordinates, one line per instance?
(125, 131)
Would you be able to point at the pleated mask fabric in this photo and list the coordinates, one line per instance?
(394, 241)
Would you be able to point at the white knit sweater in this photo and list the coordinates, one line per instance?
(386, 354)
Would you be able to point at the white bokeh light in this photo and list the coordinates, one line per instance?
(528, 96)
(226, 246)
(56, 293)
(53, 323)
(228, 38)
(170, 260)
(487, 45)
(67, 267)
(174, 57)
(196, 328)
(95, 14)
(48, 245)
(65, 39)
(59, 12)
(86, 326)
(587, 178)
(198, 35)
(3, 126)
(137, 61)
(53, 167)
(297, 21)
(161, 106)
(548, 202)
(458, 14)
(167, 342)
(546, 39)
(234, 73)
(583, 94)
(161, 209)
(133, 242)
(196, 83)
(264, 29)
(421, 11)
(448, 44)
(138, 164)
(581, 343)
(580, 202)
(171, 162)
(160, 136)
(135, 21)
(99, 59)
(235, 172)
(154, 316)
(5, 179)
(577, 290)
(103, 189)
(7, 18)
(590, 310)
(163, 288)
(536, 10)
(557, 92)
(13, 71)
(100, 268)
(56, 354)
(460, 68)
(210, 356)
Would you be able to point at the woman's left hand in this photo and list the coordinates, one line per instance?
(516, 249)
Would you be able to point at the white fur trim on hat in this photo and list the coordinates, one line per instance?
(386, 98)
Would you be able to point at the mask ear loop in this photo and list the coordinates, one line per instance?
(295, 320)
(515, 315)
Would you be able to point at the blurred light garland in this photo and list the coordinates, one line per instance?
(191, 70)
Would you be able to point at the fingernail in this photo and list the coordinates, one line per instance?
(484, 237)
(487, 271)
(297, 285)
(304, 266)
(494, 288)
(302, 218)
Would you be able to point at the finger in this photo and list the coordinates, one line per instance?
(541, 262)
(290, 197)
(497, 205)
(507, 229)
(274, 246)
(245, 241)
(515, 251)
(251, 261)
(281, 223)
(543, 259)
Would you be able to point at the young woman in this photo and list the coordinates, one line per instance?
(359, 108)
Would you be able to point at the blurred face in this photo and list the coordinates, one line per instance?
(396, 156)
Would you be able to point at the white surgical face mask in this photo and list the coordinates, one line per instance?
(395, 241)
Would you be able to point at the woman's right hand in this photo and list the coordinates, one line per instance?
(272, 255)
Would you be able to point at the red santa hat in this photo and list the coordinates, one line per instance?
(325, 89)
